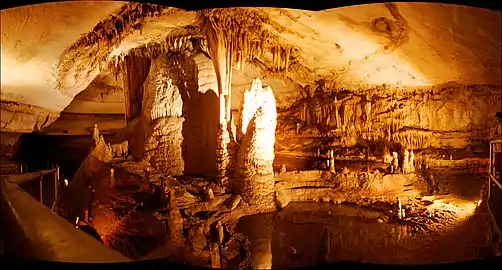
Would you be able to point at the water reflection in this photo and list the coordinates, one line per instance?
(259, 229)
(306, 234)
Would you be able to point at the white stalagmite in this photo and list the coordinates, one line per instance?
(411, 163)
(395, 162)
(95, 134)
(253, 176)
(406, 167)
(255, 97)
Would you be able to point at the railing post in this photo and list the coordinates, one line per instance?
(56, 189)
(491, 158)
(40, 187)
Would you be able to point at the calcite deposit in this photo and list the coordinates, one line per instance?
(162, 108)
(254, 175)
(208, 130)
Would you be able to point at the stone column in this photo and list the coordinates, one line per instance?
(254, 175)
(162, 109)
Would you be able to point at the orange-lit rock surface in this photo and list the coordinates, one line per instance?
(402, 44)
(216, 115)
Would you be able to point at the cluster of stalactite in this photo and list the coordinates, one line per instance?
(105, 35)
(327, 112)
(361, 115)
(413, 139)
(393, 122)
(179, 40)
(129, 17)
(245, 36)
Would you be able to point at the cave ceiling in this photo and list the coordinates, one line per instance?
(52, 52)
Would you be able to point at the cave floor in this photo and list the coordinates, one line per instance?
(449, 226)
(307, 234)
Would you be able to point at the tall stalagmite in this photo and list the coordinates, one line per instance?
(254, 175)
(236, 35)
(162, 108)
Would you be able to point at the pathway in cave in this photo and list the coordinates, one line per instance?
(33, 188)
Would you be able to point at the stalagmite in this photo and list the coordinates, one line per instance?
(95, 134)
(331, 161)
(112, 178)
(395, 163)
(215, 256)
(259, 229)
(406, 157)
(253, 177)
(162, 106)
(283, 169)
(400, 211)
(411, 163)
(220, 230)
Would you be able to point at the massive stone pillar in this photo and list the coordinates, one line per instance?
(162, 108)
(180, 105)
(254, 175)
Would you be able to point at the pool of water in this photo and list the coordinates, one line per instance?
(307, 234)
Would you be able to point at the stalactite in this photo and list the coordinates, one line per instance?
(413, 139)
(135, 69)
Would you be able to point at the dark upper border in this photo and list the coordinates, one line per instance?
(295, 4)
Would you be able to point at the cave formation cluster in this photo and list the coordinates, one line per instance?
(212, 166)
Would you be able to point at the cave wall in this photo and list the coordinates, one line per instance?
(105, 95)
(443, 116)
(18, 117)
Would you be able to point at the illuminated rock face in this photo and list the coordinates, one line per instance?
(254, 98)
(253, 177)
(162, 107)
(78, 193)
(225, 152)
(180, 106)
(16, 117)
(449, 116)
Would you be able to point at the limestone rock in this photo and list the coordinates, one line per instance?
(163, 147)
(253, 175)
(162, 107)
(197, 239)
(257, 97)
(161, 95)
(215, 256)
(283, 169)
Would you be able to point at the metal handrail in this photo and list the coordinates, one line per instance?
(19, 179)
(495, 180)
(35, 232)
